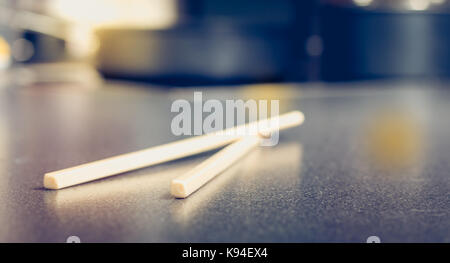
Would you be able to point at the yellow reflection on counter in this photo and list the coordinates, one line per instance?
(271, 91)
(394, 140)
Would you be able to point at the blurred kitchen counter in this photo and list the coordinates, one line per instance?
(372, 159)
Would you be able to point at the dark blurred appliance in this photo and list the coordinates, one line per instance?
(214, 42)
(374, 39)
(37, 47)
(33, 35)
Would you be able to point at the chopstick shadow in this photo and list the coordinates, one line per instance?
(41, 189)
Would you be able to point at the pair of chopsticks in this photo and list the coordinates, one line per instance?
(181, 187)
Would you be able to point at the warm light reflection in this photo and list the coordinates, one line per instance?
(419, 4)
(362, 2)
(394, 140)
(117, 13)
(4, 54)
(86, 16)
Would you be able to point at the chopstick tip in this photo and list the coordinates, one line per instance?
(50, 182)
(299, 116)
(178, 189)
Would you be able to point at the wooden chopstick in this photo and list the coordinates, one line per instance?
(188, 183)
(164, 153)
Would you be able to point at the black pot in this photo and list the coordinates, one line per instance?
(384, 41)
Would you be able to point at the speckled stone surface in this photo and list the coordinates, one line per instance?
(372, 158)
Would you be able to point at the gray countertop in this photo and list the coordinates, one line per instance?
(372, 158)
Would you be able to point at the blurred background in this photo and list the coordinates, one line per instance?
(210, 42)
